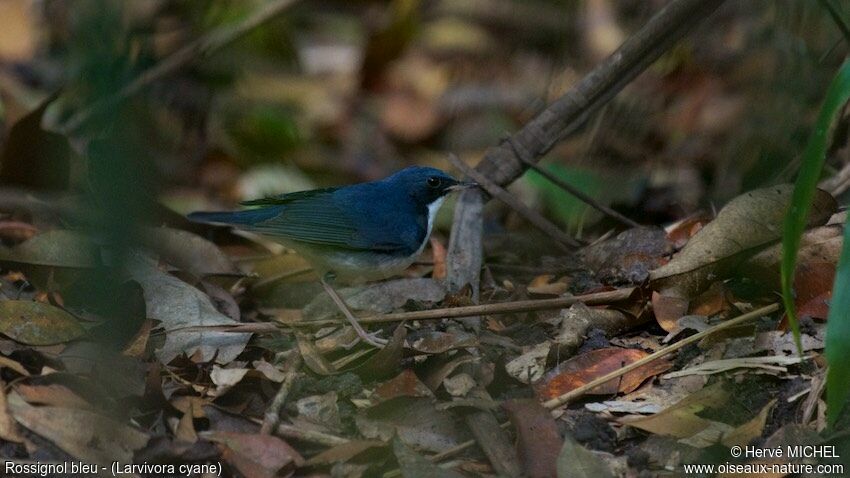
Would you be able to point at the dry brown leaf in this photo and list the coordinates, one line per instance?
(255, 455)
(81, 433)
(668, 310)
(313, 359)
(749, 222)
(586, 367)
(820, 244)
(681, 232)
(538, 440)
(53, 394)
(405, 384)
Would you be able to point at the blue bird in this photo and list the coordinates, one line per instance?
(357, 233)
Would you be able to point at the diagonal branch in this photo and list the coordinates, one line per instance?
(560, 119)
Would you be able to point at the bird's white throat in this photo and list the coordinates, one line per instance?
(433, 208)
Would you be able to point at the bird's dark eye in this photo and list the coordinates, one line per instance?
(434, 182)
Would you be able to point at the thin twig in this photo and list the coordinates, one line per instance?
(597, 298)
(272, 416)
(194, 51)
(526, 212)
(522, 155)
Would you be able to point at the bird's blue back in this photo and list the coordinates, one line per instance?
(383, 215)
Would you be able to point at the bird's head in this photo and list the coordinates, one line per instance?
(426, 185)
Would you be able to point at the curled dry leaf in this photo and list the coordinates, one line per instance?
(586, 367)
(313, 359)
(81, 433)
(36, 323)
(255, 455)
(405, 384)
(681, 232)
(749, 222)
(817, 245)
(179, 307)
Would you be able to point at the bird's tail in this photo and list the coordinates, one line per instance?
(247, 217)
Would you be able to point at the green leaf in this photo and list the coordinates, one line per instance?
(36, 323)
(838, 336)
(804, 189)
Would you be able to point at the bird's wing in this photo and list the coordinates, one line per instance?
(289, 197)
(317, 217)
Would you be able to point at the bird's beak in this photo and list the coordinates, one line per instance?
(460, 185)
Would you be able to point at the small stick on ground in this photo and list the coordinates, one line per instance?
(597, 298)
(526, 212)
(272, 416)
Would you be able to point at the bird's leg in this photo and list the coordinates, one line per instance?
(341, 305)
